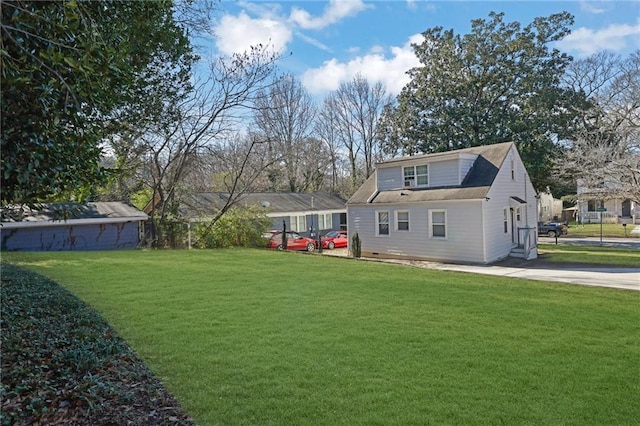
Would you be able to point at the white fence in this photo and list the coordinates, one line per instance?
(607, 217)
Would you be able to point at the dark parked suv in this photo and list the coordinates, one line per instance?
(552, 229)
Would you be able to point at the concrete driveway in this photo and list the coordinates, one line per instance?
(614, 277)
(623, 278)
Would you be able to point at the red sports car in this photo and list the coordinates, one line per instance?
(335, 239)
(295, 241)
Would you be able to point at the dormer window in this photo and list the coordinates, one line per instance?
(416, 176)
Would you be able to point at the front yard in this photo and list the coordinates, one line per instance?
(583, 254)
(264, 337)
(609, 230)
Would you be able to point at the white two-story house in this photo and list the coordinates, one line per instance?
(472, 205)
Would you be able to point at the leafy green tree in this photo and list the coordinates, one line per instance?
(501, 82)
(241, 226)
(74, 73)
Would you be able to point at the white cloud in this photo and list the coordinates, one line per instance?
(235, 34)
(377, 49)
(593, 7)
(373, 66)
(334, 12)
(314, 42)
(412, 4)
(614, 37)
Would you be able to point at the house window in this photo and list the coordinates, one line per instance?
(513, 169)
(438, 226)
(324, 221)
(382, 223)
(518, 214)
(402, 220)
(594, 205)
(416, 175)
(506, 220)
(299, 223)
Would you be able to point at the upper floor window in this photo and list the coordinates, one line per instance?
(416, 175)
(513, 169)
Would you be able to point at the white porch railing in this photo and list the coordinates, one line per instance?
(527, 242)
(594, 217)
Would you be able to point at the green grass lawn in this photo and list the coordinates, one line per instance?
(264, 337)
(609, 230)
(589, 254)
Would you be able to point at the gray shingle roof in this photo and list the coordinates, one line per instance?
(66, 211)
(475, 185)
(207, 203)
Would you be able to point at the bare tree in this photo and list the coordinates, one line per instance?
(207, 117)
(358, 107)
(604, 152)
(327, 130)
(284, 116)
(314, 165)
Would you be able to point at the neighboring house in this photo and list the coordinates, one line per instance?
(72, 226)
(471, 205)
(549, 208)
(299, 211)
(594, 204)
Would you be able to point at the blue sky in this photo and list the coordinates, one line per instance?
(332, 41)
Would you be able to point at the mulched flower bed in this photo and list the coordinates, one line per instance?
(62, 363)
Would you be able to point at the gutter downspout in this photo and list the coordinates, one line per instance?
(484, 229)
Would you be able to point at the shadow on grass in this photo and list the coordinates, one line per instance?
(63, 364)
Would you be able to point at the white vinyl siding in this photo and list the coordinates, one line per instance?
(441, 173)
(382, 223)
(402, 220)
(389, 178)
(473, 227)
(444, 173)
(463, 230)
(424, 173)
(499, 243)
